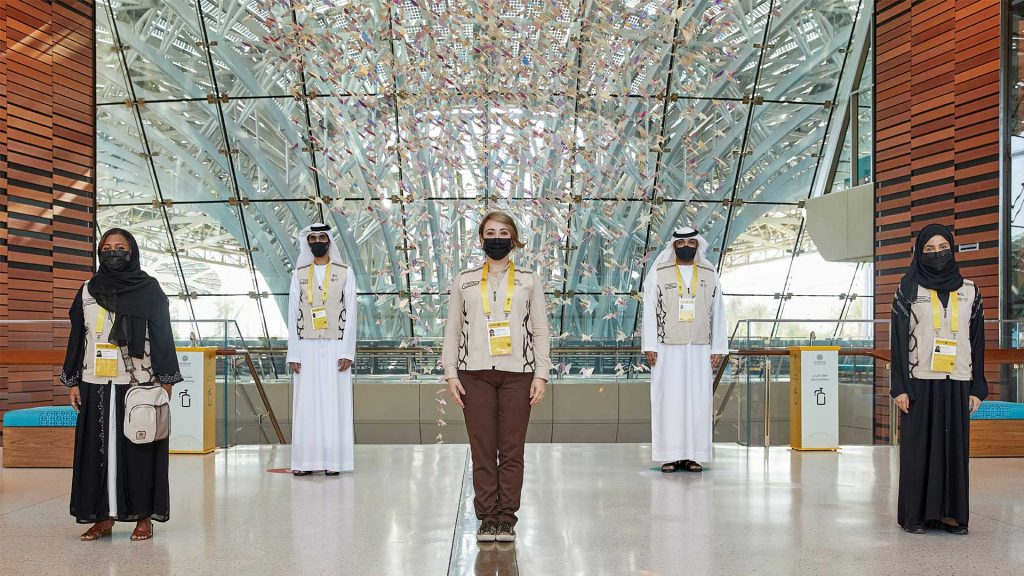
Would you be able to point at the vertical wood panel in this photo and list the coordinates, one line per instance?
(47, 175)
(937, 146)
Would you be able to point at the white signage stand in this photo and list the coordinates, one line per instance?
(193, 402)
(814, 397)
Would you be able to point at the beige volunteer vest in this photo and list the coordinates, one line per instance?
(143, 366)
(922, 341)
(336, 311)
(670, 329)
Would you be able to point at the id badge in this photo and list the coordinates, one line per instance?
(687, 308)
(499, 337)
(944, 356)
(106, 360)
(320, 318)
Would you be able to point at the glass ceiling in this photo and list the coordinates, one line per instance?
(226, 126)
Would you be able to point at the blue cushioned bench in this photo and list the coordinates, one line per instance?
(42, 437)
(997, 430)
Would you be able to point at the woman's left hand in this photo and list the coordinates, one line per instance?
(538, 388)
(167, 388)
(974, 402)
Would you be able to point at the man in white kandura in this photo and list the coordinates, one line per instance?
(684, 337)
(321, 349)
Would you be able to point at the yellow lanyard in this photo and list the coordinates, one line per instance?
(327, 283)
(101, 319)
(937, 308)
(508, 293)
(692, 289)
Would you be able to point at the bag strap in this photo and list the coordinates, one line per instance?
(129, 366)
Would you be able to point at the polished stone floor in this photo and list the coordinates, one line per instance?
(587, 510)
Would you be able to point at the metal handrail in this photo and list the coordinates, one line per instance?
(259, 387)
(998, 356)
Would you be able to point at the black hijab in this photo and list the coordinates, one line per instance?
(131, 294)
(918, 274)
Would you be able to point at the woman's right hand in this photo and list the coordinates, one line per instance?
(455, 390)
(652, 358)
(295, 366)
(75, 395)
(903, 403)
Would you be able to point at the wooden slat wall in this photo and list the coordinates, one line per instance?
(936, 145)
(47, 150)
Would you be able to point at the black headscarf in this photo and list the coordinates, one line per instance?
(918, 274)
(131, 294)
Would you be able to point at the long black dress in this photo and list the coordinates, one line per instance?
(935, 434)
(142, 469)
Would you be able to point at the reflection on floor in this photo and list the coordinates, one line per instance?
(587, 509)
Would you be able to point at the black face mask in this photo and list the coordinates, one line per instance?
(686, 253)
(497, 248)
(937, 261)
(116, 260)
(319, 248)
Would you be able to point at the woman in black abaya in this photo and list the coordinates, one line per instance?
(938, 381)
(120, 333)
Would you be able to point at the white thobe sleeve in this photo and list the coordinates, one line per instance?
(649, 330)
(719, 326)
(293, 319)
(348, 341)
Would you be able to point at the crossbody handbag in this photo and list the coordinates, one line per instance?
(147, 408)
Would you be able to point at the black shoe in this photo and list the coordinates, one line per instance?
(301, 472)
(959, 529)
(918, 529)
(331, 473)
(487, 532)
(506, 532)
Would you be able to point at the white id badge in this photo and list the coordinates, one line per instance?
(944, 356)
(687, 308)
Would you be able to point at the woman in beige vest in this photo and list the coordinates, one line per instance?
(120, 336)
(496, 359)
(938, 381)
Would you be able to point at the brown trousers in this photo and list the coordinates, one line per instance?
(497, 415)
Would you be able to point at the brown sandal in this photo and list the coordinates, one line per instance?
(98, 530)
(142, 532)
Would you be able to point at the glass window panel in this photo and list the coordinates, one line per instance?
(703, 141)
(110, 81)
(164, 51)
(444, 144)
(191, 158)
(626, 47)
(718, 53)
(589, 321)
(761, 237)
(806, 49)
(371, 239)
(742, 307)
(123, 173)
(273, 228)
(357, 143)
(517, 46)
(782, 151)
(245, 61)
(618, 147)
(384, 320)
(271, 158)
(609, 240)
(536, 130)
